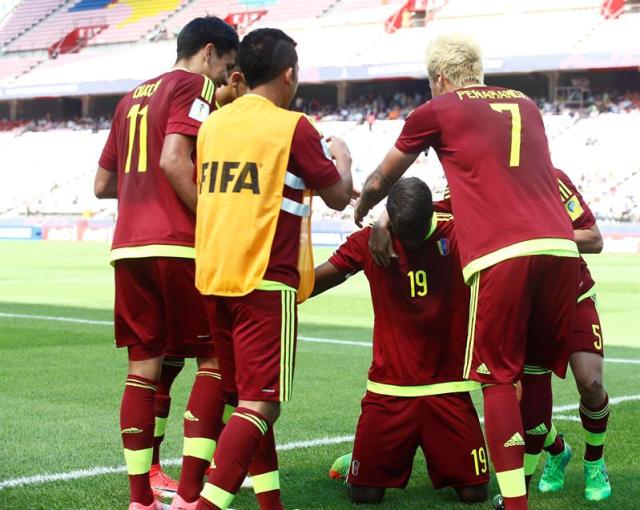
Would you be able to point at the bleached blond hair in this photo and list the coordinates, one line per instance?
(457, 57)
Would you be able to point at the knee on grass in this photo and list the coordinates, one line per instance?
(473, 494)
(367, 495)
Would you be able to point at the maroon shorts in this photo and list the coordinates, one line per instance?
(391, 429)
(587, 332)
(522, 311)
(255, 339)
(158, 309)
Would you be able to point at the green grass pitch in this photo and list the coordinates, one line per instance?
(60, 385)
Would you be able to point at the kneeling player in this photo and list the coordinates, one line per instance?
(415, 396)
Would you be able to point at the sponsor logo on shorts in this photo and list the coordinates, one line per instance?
(131, 430)
(540, 430)
(189, 416)
(355, 467)
(268, 390)
(516, 440)
(482, 369)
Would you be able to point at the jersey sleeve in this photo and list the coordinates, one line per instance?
(578, 210)
(191, 103)
(309, 158)
(350, 256)
(420, 131)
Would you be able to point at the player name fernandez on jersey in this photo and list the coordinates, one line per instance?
(247, 178)
(490, 94)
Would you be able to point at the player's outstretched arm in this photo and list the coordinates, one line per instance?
(105, 184)
(378, 184)
(178, 166)
(339, 195)
(589, 240)
(327, 277)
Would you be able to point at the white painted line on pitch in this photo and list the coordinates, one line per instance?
(566, 417)
(97, 471)
(294, 445)
(58, 319)
(310, 339)
(621, 360)
(333, 341)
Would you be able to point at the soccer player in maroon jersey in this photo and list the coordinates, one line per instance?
(516, 243)
(587, 352)
(147, 165)
(415, 393)
(261, 316)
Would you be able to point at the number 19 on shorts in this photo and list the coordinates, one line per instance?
(479, 460)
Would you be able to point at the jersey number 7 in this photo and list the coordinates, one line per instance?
(516, 129)
(133, 115)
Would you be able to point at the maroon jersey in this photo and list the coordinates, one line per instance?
(493, 148)
(582, 219)
(152, 220)
(421, 308)
(308, 161)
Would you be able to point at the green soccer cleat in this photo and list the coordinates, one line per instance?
(552, 479)
(498, 502)
(596, 481)
(340, 467)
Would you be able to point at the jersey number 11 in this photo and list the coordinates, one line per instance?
(133, 115)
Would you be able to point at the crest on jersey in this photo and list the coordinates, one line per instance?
(443, 246)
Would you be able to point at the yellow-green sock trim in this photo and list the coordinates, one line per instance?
(199, 447)
(535, 370)
(261, 425)
(138, 461)
(160, 426)
(512, 483)
(594, 439)
(217, 496)
(551, 436)
(530, 463)
(266, 482)
(594, 415)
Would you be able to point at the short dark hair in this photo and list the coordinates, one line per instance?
(199, 32)
(264, 54)
(410, 208)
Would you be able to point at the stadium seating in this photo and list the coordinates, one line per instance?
(62, 188)
(588, 149)
(25, 16)
(141, 62)
(15, 66)
(331, 33)
(126, 21)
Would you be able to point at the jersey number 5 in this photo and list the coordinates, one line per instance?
(516, 129)
(133, 115)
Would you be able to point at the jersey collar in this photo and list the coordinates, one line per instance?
(432, 228)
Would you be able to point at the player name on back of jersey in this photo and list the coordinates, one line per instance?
(146, 90)
(482, 93)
